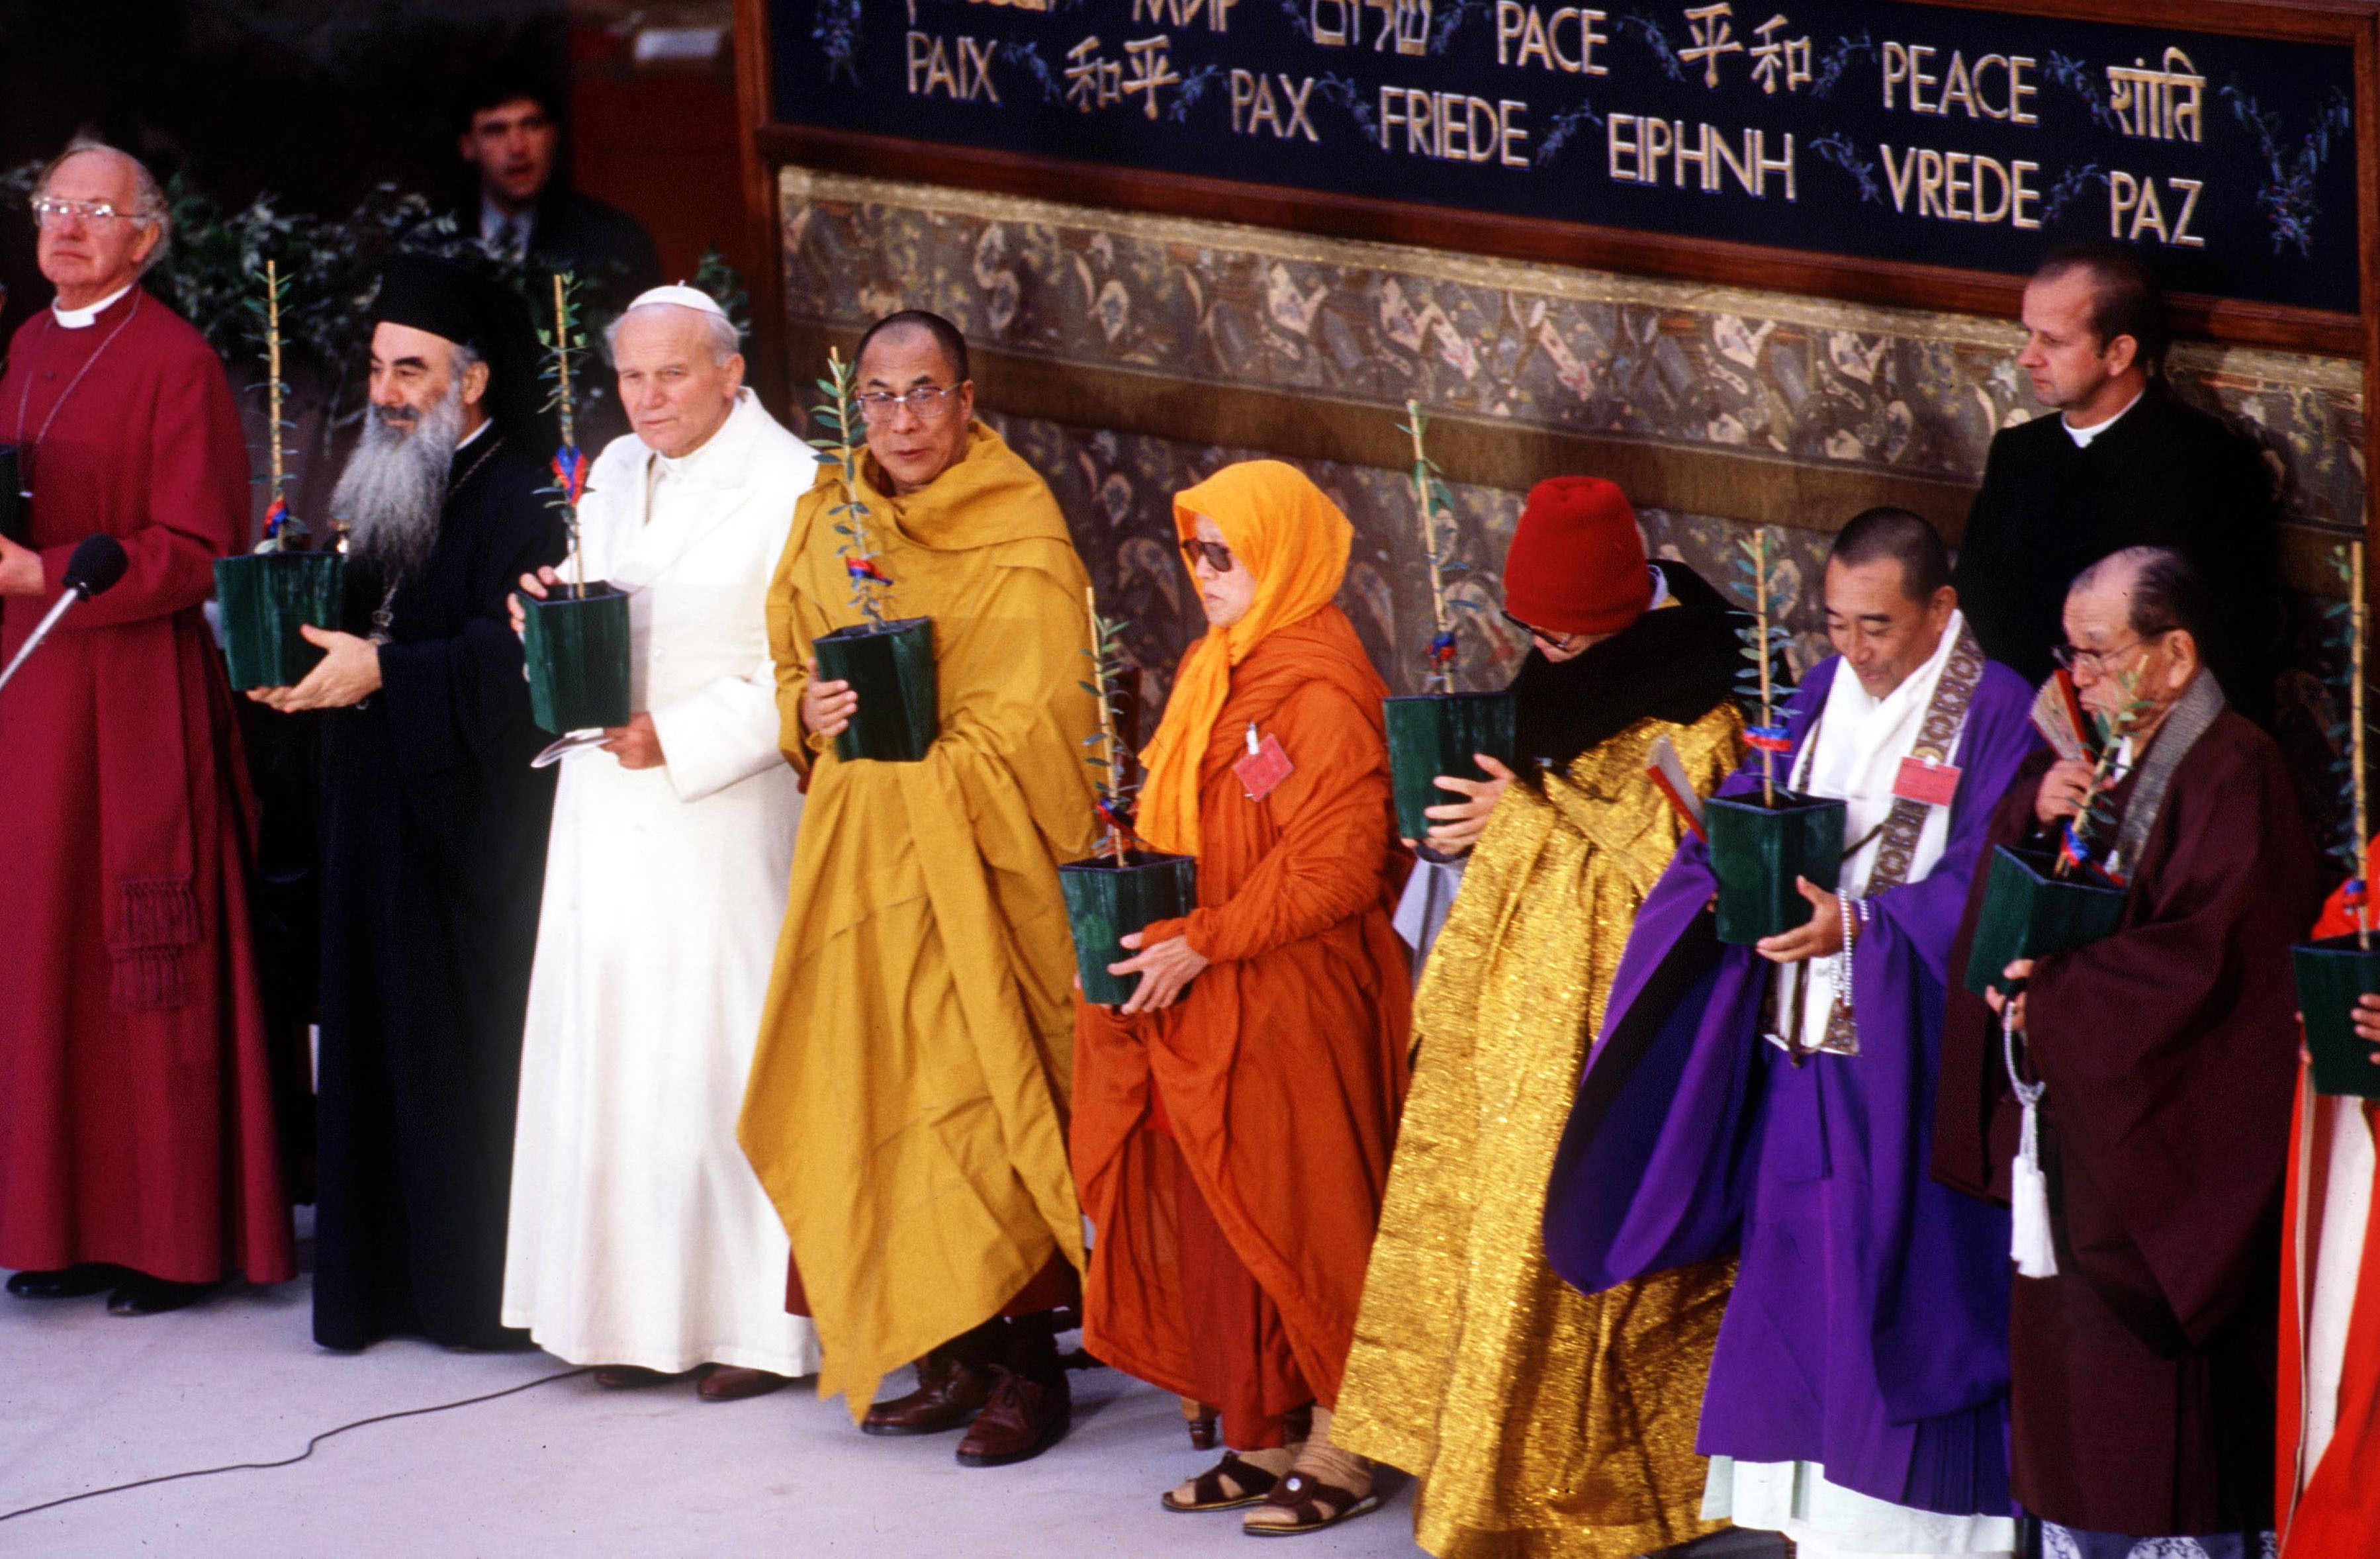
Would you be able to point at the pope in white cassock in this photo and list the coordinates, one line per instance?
(640, 1240)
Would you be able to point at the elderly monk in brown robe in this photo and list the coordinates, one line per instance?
(1232, 1138)
(2143, 1354)
(907, 1109)
(136, 1144)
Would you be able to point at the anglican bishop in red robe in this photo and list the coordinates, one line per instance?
(136, 1144)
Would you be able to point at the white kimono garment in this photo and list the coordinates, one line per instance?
(640, 1235)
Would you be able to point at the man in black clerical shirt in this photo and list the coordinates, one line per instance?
(433, 823)
(521, 206)
(2124, 464)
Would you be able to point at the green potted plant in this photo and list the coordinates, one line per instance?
(1123, 887)
(1438, 730)
(2044, 899)
(2333, 972)
(575, 639)
(889, 662)
(1760, 844)
(266, 595)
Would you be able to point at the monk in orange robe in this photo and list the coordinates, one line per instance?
(1234, 1121)
(2327, 1478)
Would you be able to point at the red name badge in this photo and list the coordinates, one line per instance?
(1266, 766)
(1921, 780)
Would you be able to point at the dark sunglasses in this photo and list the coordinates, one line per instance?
(1218, 556)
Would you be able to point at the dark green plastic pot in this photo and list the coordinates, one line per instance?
(1106, 902)
(2030, 911)
(576, 639)
(2331, 974)
(15, 523)
(1435, 733)
(892, 669)
(1757, 851)
(266, 597)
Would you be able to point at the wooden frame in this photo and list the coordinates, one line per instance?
(2351, 22)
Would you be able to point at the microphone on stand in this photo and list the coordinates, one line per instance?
(97, 563)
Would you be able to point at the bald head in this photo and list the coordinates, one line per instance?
(102, 222)
(679, 374)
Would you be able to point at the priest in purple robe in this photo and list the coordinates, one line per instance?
(1778, 1100)
(2138, 1113)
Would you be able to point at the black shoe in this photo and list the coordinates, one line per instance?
(141, 1294)
(66, 1283)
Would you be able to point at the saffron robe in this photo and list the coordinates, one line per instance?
(638, 1234)
(434, 845)
(135, 1079)
(1274, 1083)
(906, 1107)
(2142, 1374)
(1539, 1419)
(1866, 1334)
(2327, 1462)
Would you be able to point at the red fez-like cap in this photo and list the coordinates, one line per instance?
(1577, 562)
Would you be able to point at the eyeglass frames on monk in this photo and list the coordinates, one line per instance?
(50, 210)
(1218, 556)
(2095, 660)
(1557, 640)
(929, 401)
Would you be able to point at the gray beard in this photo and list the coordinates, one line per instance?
(394, 489)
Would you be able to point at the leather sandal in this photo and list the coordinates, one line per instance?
(1312, 1504)
(1227, 1485)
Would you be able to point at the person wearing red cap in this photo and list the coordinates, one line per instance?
(1511, 1398)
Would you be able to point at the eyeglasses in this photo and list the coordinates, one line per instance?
(49, 211)
(1218, 556)
(2095, 660)
(1558, 640)
(929, 401)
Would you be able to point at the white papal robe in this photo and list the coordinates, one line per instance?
(640, 1235)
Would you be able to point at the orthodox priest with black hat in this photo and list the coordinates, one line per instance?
(433, 823)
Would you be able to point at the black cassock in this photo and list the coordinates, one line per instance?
(2166, 475)
(433, 857)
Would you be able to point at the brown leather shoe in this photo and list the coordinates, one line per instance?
(623, 1376)
(950, 1391)
(1024, 1418)
(733, 1382)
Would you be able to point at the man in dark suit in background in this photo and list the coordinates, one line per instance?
(523, 209)
(2124, 463)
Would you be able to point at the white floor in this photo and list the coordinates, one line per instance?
(88, 1399)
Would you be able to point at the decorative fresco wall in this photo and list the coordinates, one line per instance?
(1725, 406)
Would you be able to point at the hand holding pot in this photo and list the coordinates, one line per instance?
(1163, 970)
(348, 674)
(1456, 825)
(637, 744)
(1819, 936)
(826, 706)
(531, 585)
(2017, 972)
(21, 570)
(2065, 791)
(2365, 1016)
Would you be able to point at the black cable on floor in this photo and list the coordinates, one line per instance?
(292, 1461)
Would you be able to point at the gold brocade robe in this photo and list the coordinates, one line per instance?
(1539, 1421)
(906, 1108)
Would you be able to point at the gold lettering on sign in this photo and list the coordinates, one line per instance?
(963, 76)
(2160, 104)
(1257, 105)
(1992, 88)
(1539, 38)
(2134, 210)
(1636, 146)
(1182, 13)
(1021, 4)
(1714, 35)
(1093, 81)
(1964, 186)
(1776, 61)
(1453, 128)
(1332, 34)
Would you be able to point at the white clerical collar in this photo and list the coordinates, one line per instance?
(82, 318)
(2082, 436)
(473, 436)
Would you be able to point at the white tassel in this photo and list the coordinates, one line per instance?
(2029, 1244)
